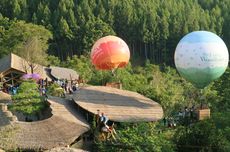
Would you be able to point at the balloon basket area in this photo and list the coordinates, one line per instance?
(203, 114)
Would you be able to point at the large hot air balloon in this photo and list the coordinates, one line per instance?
(201, 57)
(109, 53)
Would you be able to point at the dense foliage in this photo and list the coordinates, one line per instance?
(15, 36)
(203, 136)
(55, 90)
(138, 137)
(28, 99)
(151, 28)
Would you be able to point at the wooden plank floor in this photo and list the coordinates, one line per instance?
(118, 105)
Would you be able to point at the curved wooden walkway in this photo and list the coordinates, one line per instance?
(119, 105)
(61, 129)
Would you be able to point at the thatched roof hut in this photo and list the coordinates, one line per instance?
(46, 134)
(118, 105)
(12, 67)
(61, 129)
(62, 73)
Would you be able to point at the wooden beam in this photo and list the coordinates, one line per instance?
(12, 81)
(11, 70)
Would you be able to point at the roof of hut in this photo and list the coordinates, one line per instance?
(15, 62)
(46, 134)
(64, 73)
(118, 105)
(61, 129)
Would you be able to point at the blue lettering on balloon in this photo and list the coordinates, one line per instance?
(212, 58)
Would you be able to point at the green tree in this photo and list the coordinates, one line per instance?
(82, 65)
(202, 136)
(93, 31)
(4, 26)
(19, 33)
(16, 9)
(138, 137)
(33, 53)
(53, 60)
(222, 87)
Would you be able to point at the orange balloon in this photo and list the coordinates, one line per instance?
(110, 52)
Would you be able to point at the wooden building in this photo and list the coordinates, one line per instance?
(60, 73)
(12, 67)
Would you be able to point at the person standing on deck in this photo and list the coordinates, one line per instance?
(103, 118)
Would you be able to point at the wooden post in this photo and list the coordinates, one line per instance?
(1, 76)
(87, 116)
(46, 82)
(70, 80)
(12, 79)
(1, 82)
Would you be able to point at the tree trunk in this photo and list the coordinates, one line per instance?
(31, 68)
(146, 54)
(140, 48)
(133, 49)
(150, 52)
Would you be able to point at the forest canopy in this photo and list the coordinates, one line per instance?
(152, 29)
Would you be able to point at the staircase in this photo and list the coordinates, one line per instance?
(5, 116)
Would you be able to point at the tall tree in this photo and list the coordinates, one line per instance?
(17, 34)
(33, 53)
(152, 29)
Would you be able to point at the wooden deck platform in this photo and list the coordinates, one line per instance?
(118, 105)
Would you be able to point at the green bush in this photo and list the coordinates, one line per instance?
(202, 136)
(28, 99)
(55, 90)
(138, 137)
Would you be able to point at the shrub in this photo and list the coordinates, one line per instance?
(138, 137)
(202, 136)
(28, 99)
(55, 90)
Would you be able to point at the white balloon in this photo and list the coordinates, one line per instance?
(201, 57)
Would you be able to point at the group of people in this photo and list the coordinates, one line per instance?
(187, 112)
(105, 126)
(12, 90)
(68, 87)
(43, 87)
(185, 116)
